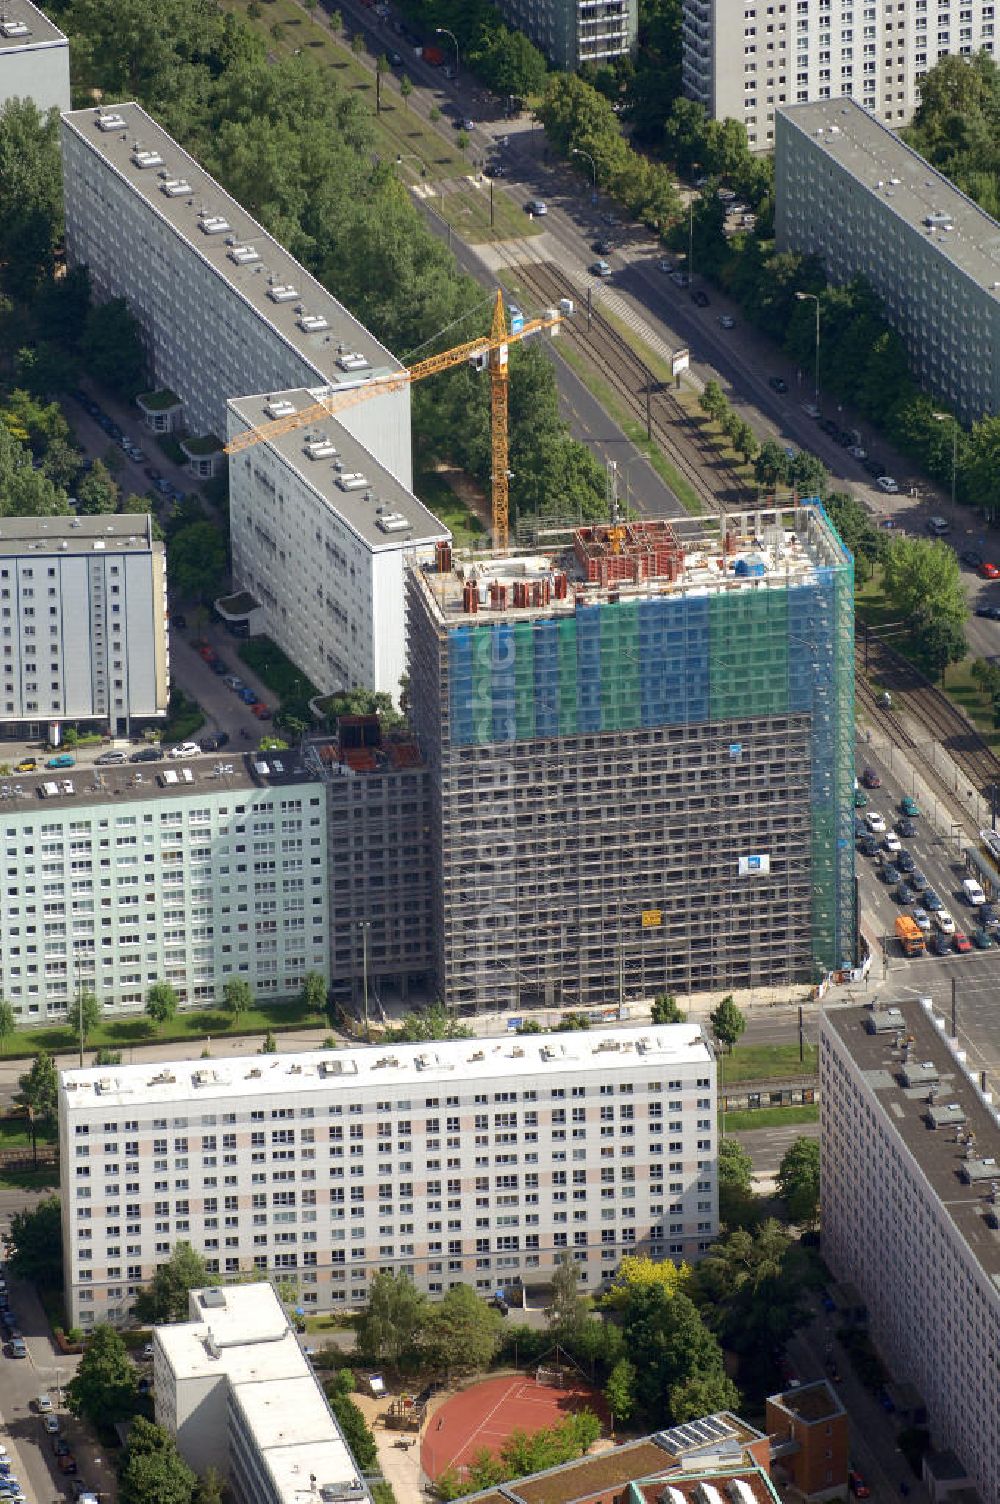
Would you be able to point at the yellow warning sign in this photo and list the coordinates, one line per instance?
(652, 918)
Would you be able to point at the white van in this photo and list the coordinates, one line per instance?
(973, 893)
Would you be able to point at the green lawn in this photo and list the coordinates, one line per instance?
(14, 1134)
(435, 492)
(770, 1117)
(767, 1062)
(192, 1024)
(278, 671)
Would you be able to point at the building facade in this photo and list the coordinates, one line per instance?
(83, 622)
(607, 729)
(911, 1213)
(847, 189)
(461, 1161)
(574, 32)
(203, 871)
(810, 1426)
(223, 308)
(236, 1391)
(744, 60)
(321, 533)
(34, 57)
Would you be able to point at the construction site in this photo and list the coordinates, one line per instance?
(640, 747)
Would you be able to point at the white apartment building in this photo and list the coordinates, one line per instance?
(34, 57)
(119, 877)
(849, 190)
(223, 307)
(744, 59)
(83, 622)
(910, 1147)
(321, 533)
(235, 1389)
(465, 1161)
(574, 32)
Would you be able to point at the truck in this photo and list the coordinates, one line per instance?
(910, 936)
(432, 55)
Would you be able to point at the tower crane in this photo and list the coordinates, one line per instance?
(489, 352)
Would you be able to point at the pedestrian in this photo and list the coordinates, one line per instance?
(440, 1423)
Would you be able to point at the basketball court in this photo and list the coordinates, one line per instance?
(483, 1416)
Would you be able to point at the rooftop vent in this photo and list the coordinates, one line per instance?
(332, 1493)
(243, 254)
(351, 480)
(351, 360)
(978, 1169)
(12, 29)
(175, 187)
(391, 522)
(938, 220)
(282, 292)
(213, 1300)
(145, 159)
(312, 323)
(279, 407)
(110, 122)
(213, 224)
(320, 449)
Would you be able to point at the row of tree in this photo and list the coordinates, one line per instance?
(505, 60)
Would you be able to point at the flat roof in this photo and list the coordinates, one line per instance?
(84, 785)
(376, 506)
(905, 183)
(389, 1067)
(811, 1402)
(23, 25)
(686, 557)
(940, 1152)
(77, 535)
(226, 237)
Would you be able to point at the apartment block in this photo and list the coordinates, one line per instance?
(745, 61)
(224, 309)
(462, 1161)
(378, 825)
(119, 877)
(847, 189)
(910, 1145)
(808, 1425)
(34, 57)
(321, 535)
(574, 32)
(605, 726)
(83, 622)
(236, 1391)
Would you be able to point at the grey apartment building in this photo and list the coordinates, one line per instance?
(848, 190)
(479, 1162)
(641, 760)
(574, 32)
(83, 623)
(744, 60)
(224, 309)
(34, 57)
(910, 1149)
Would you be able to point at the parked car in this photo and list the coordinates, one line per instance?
(262, 712)
(248, 696)
(891, 842)
(726, 321)
(904, 894)
(777, 384)
(910, 807)
(940, 945)
(856, 452)
(146, 754)
(870, 779)
(961, 942)
(860, 798)
(602, 246)
(932, 902)
(904, 861)
(993, 612)
(869, 846)
(62, 760)
(214, 741)
(875, 822)
(887, 484)
(944, 921)
(921, 919)
(52, 1425)
(989, 571)
(218, 666)
(599, 269)
(536, 206)
(234, 682)
(110, 759)
(700, 297)
(66, 1463)
(178, 620)
(26, 765)
(982, 939)
(906, 828)
(17, 1348)
(60, 1448)
(185, 749)
(889, 874)
(43, 1404)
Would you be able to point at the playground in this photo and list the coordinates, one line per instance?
(482, 1417)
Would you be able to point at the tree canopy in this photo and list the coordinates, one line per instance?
(165, 1298)
(798, 1180)
(153, 1467)
(39, 1089)
(37, 1238)
(391, 1322)
(104, 1388)
(461, 1333)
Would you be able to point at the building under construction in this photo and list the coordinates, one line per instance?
(641, 755)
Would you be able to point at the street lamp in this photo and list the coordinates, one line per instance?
(442, 31)
(950, 418)
(813, 297)
(578, 151)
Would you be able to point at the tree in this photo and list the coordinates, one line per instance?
(737, 1203)
(668, 1342)
(165, 1298)
(154, 1468)
(196, 560)
(112, 348)
(37, 1239)
(798, 1180)
(619, 1391)
(237, 996)
(567, 1310)
(770, 468)
(161, 1002)
(354, 1426)
(104, 1388)
(434, 1022)
(749, 1286)
(314, 994)
(270, 1045)
(461, 1334)
(84, 1014)
(935, 642)
(98, 492)
(922, 578)
(728, 1023)
(405, 90)
(357, 43)
(666, 1010)
(8, 1022)
(639, 1272)
(104, 1056)
(391, 1323)
(210, 1488)
(31, 193)
(808, 474)
(702, 1394)
(40, 1090)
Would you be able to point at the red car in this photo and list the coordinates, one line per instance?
(207, 653)
(989, 572)
(859, 1488)
(870, 779)
(261, 711)
(961, 941)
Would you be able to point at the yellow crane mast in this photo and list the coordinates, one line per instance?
(488, 352)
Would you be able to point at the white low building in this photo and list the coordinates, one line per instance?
(461, 1161)
(235, 1389)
